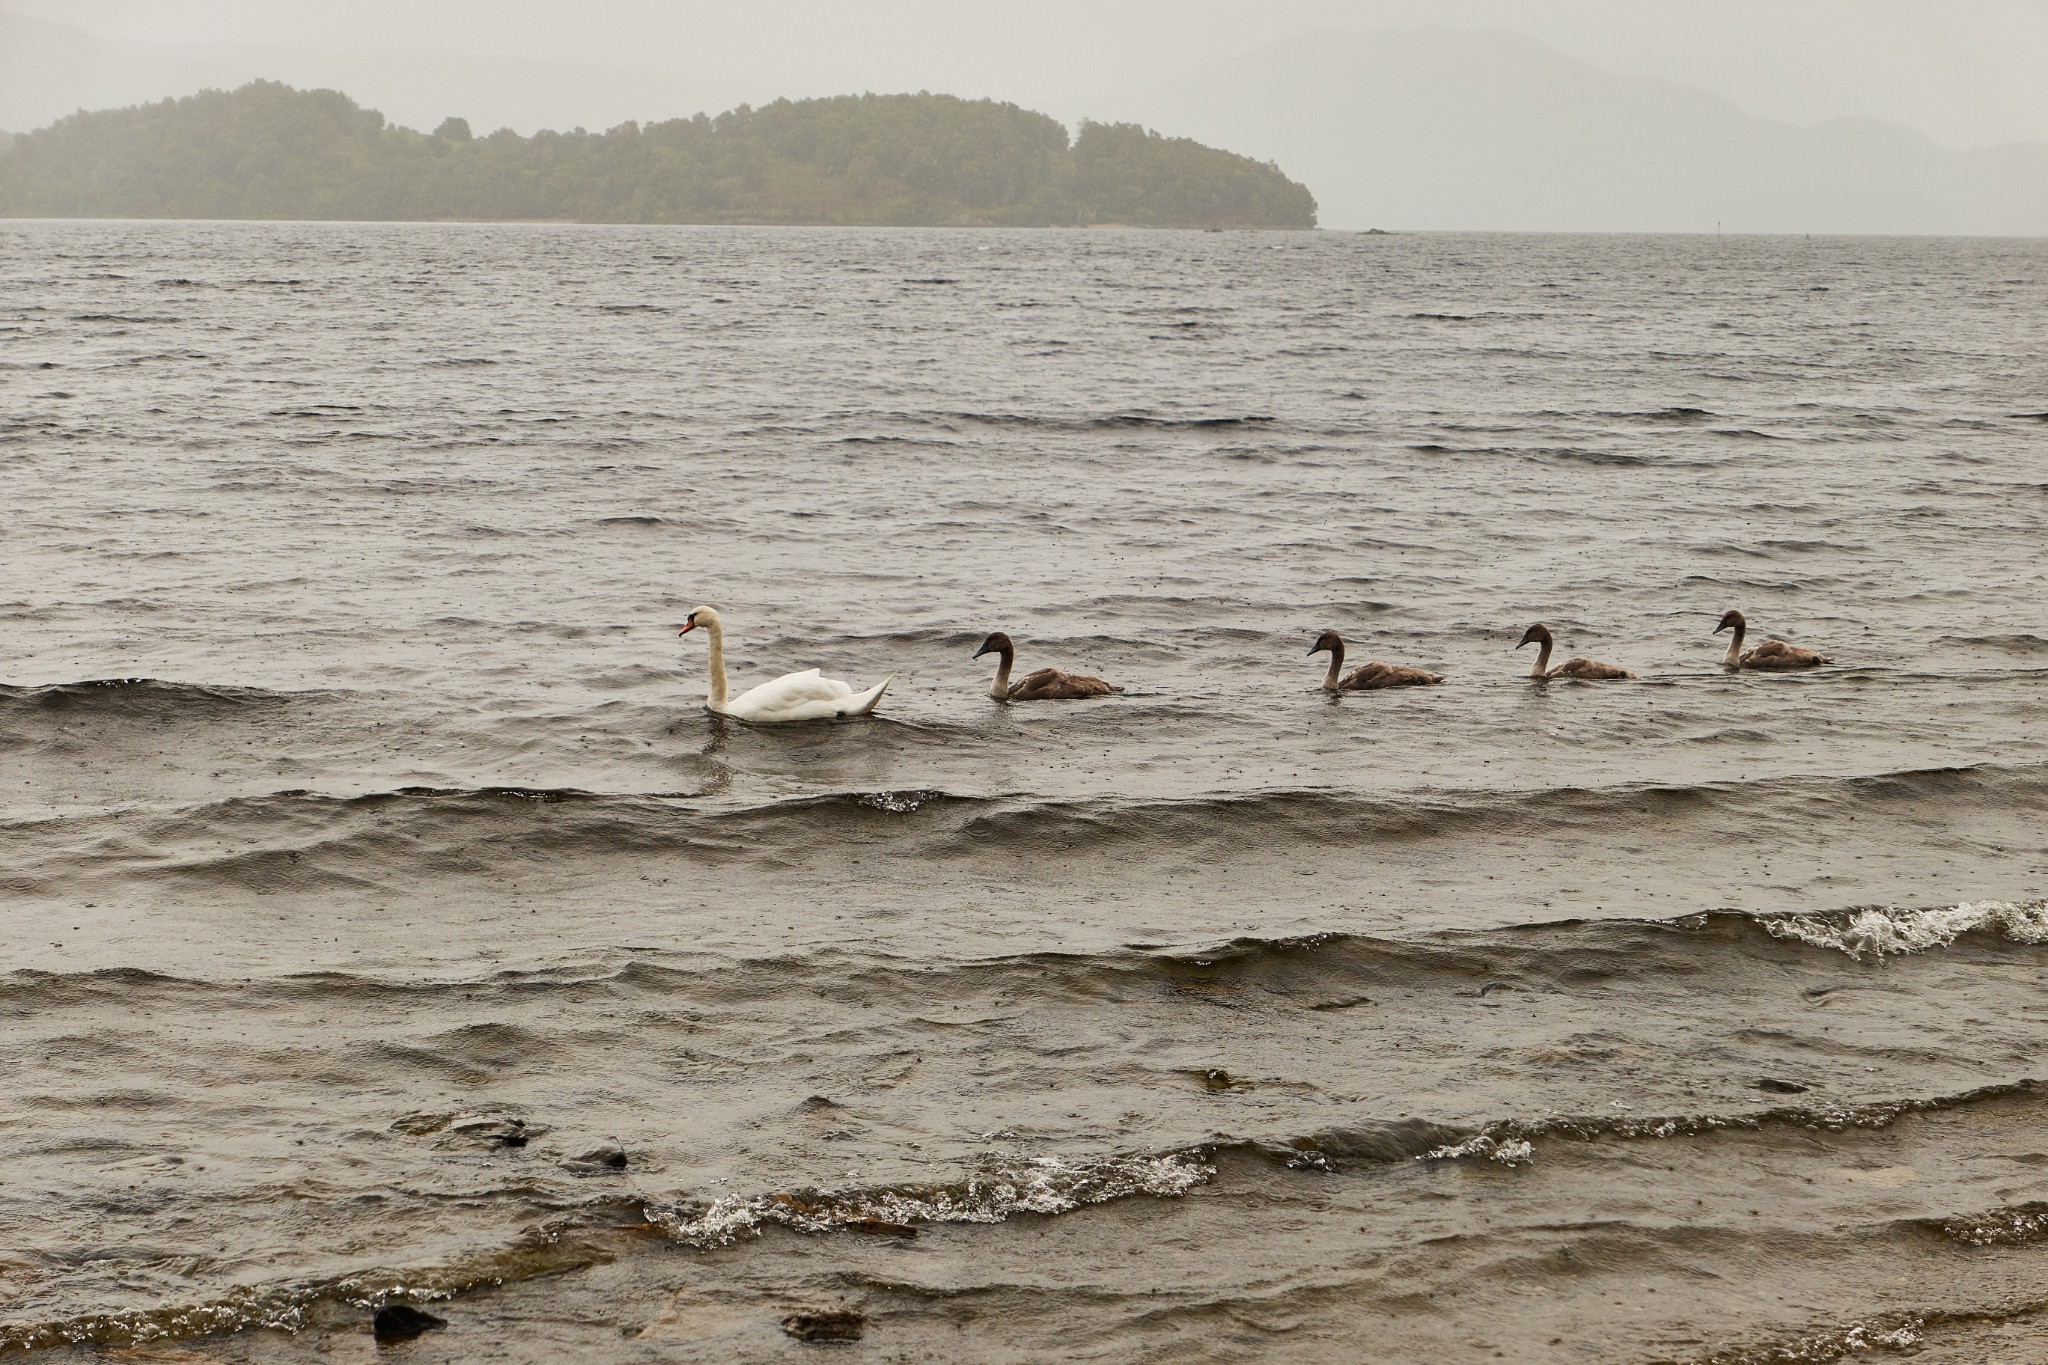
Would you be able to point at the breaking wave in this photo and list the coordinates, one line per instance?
(1887, 931)
(1002, 1189)
(2017, 1225)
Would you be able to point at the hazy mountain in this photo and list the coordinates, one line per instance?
(49, 70)
(1438, 128)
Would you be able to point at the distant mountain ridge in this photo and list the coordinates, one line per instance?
(1441, 128)
(267, 150)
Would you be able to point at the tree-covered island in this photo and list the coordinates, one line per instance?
(269, 151)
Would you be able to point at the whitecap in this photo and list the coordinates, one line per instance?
(998, 1191)
(1881, 931)
(1507, 1151)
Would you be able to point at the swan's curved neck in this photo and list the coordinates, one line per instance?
(1000, 688)
(1542, 668)
(1734, 654)
(717, 634)
(1336, 667)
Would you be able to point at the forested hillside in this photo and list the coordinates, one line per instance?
(270, 151)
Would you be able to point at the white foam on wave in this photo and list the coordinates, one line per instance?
(2020, 1226)
(1511, 1151)
(1899, 1333)
(1000, 1190)
(899, 803)
(1890, 931)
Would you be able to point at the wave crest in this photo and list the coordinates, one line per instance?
(1508, 1151)
(1001, 1189)
(1897, 1332)
(2018, 1225)
(1881, 931)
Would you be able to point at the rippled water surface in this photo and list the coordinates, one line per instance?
(375, 882)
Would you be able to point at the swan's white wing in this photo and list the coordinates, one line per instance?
(808, 695)
(791, 689)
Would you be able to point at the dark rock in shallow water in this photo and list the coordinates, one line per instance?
(402, 1321)
(608, 1159)
(826, 1324)
(1778, 1087)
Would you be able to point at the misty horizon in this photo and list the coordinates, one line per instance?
(1961, 74)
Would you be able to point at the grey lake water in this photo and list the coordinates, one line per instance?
(386, 920)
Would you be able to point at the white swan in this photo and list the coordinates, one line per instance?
(808, 695)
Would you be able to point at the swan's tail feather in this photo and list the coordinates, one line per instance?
(866, 702)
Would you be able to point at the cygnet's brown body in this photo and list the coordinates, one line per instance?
(1587, 670)
(1047, 684)
(1366, 677)
(1774, 655)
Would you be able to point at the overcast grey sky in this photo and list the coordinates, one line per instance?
(1964, 72)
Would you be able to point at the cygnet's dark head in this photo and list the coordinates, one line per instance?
(1538, 634)
(1733, 619)
(1328, 642)
(996, 643)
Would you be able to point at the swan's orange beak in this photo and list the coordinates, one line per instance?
(688, 626)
